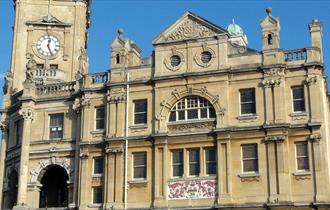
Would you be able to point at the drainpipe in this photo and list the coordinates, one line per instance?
(126, 135)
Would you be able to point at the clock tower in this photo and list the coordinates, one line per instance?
(49, 41)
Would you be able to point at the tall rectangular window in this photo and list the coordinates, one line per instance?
(140, 165)
(100, 112)
(177, 163)
(56, 126)
(298, 97)
(248, 101)
(250, 158)
(98, 165)
(302, 156)
(210, 161)
(194, 162)
(97, 195)
(140, 111)
(18, 132)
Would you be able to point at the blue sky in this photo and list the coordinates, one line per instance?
(142, 21)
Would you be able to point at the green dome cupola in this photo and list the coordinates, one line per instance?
(237, 34)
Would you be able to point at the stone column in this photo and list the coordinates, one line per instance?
(269, 117)
(27, 115)
(314, 98)
(112, 119)
(159, 171)
(83, 181)
(4, 129)
(279, 102)
(120, 122)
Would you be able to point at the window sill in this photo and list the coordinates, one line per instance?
(138, 182)
(247, 117)
(97, 175)
(138, 126)
(249, 177)
(98, 131)
(299, 115)
(302, 175)
(95, 205)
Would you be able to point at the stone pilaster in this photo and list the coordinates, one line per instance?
(4, 141)
(268, 102)
(83, 182)
(27, 115)
(312, 82)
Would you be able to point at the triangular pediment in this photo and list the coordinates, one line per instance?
(269, 21)
(189, 26)
(48, 20)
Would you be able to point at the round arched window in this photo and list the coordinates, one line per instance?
(206, 56)
(192, 108)
(175, 60)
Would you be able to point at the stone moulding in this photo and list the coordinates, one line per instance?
(191, 126)
(254, 177)
(37, 172)
(192, 189)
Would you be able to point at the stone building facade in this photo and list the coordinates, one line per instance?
(203, 123)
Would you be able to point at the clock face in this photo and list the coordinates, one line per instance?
(48, 45)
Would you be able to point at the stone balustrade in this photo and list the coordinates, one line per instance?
(56, 88)
(295, 55)
(99, 78)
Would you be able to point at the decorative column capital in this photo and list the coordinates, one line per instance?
(114, 150)
(270, 139)
(80, 103)
(314, 137)
(311, 80)
(84, 155)
(268, 83)
(26, 113)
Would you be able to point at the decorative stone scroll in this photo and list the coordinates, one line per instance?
(274, 72)
(189, 29)
(80, 103)
(269, 139)
(114, 150)
(26, 113)
(315, 137)
(192, 189)
(37, 173)
(268, 83)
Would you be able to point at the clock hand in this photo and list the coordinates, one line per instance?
(50, 51)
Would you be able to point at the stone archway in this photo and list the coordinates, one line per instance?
(54, 187)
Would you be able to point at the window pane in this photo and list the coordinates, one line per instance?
(173, 116)
(140, 118)
(97, 195)
(193, 114)
(194, 155)
(98, 165)
(211, 168)
(303, 163)
(177, 170)
(56, 126)
(210, 154)
(298, 92)
(140, 165)
(248, 108)
(139, 158)
(302, 149)
(250, 151)
(181, 115)
(247, 95)
(194, 169)
(250, 165)
(100, 112)
(140, 106)
(299, 106)
(212, 112)
(203, 113)
(177, 156)
(100, 124)
(140, 172)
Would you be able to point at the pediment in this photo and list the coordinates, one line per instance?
(189, 26)
(48, 20)
(269, 21)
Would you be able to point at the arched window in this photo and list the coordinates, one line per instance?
(192, 108)
(270, 39)
(117, 58)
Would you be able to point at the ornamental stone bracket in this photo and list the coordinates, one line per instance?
(249, 177)
(311, 80)
(38, 172)
(314, 137)
(26, 113)
(114, 150)
(270, 139)
(117, 95)
(80, 103)
(269, 83)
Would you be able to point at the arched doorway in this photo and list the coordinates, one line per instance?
(12, 190)
(54, 190)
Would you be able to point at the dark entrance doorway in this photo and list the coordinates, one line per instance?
(12, 192)
(54, 190)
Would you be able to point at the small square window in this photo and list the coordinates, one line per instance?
(177, 163)
(100, 113)
(97, 195)
(302, 156)
(98, 165)
(140, 112)
(298, 97)
(140, 165)
(250, 158)
(248, 101)
(56, 126)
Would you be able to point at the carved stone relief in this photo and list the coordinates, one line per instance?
(192, 189)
